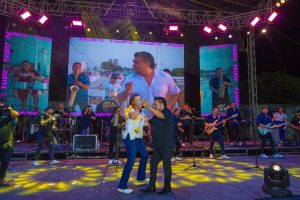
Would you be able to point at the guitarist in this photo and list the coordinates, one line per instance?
(217, 134)
(263, 121)
(295, 124)
(47, 122)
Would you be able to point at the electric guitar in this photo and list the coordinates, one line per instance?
(209, 128)
(271, 127)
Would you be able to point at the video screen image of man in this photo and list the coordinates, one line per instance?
(78, 84)
(219, 85)
(148, 82)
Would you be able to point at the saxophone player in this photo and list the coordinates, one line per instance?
(78, 85)
(219, 87)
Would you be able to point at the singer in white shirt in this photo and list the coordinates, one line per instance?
(133, 140)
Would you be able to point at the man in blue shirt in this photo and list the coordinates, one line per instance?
(217, 134)
(219, 87)
(263, 119)
(80, 79)
(235, 124)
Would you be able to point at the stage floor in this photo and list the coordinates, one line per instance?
(93, 179)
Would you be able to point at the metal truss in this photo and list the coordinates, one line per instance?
(140, 14)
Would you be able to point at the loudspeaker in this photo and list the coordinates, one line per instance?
(84, 142)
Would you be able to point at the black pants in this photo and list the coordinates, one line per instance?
(114, 140)
(42, 139)
(178, 145)
(165, 154)
(264, 139)
(5, 156)
(216, 135)
(236, 131)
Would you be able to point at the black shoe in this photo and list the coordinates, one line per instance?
(148, 189)
(164, 191)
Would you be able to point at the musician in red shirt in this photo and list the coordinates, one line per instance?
(28, 76)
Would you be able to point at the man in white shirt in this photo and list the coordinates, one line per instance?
(112, 87)
(148, 82)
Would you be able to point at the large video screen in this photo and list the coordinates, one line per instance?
(26, 71)
(218, 77)
(106, 66)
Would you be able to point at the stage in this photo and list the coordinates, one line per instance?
(94, 179)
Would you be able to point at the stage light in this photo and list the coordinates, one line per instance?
(264, 31)
(248, 32)
(272, 16)
(181, 35)
(173, 28)
(77, 23)
(255, 21)
(207, 29)
(230, 36)
(88, 30)
(43, 19)
(136, 32)
(282, 1)
(278, 4)
(276, 181)
(25, 15)
(216, 38)
(222, 27)
(150, 33)
(117, 31)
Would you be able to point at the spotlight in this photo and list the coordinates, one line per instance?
(43, 19)
(272, 16)
(150, 33)
(117, 31)
(254, 21)
(276, 181)
(173, 28)
(248, 32)
(222, 27)
(136, 32)
(207, 29)
(282, 1)
(278, 4)
(181, 35)
(25, 15)
(216, 38)
(77, 23)
(264, 31)
(88, 30)
(230, 36)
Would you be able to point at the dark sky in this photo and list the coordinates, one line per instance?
(279, 49)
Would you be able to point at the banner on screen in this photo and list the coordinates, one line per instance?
(26, 71)
(106, 66)
(218, 77)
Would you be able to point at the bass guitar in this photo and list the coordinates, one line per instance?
(209, 128)
(270, 127)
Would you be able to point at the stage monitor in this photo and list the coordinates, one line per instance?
(26, 71)
(106, 65)
(218, 77)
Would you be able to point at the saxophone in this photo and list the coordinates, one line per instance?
(74, 89)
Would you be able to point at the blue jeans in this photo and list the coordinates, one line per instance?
(41, 140)
(132, 147)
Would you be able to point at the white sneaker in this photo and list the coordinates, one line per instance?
(178, 158)
(225, 157)
(211, 156)
(146, 181)
(125, 191)
(277, 155)
(36, 163)
(54, 162)
(110, 162)
(117, 162)
(173, 159)
(263, 156)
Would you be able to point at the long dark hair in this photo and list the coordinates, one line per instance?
(132, 97)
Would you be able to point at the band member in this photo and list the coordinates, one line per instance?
(177, 130)
(8, 124)
(217, 134)
(295, 124)
(78, 85)
(148, 82)
(235, 124)
(263, 119)
(219, 86)
(112, 88)
(163, 143)
(115, 125)
(47, 124)
(186, 112)
(133, 140)
(27, 75)
(62, 113)
(87, 117)
(280, 117)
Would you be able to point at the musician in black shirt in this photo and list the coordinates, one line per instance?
(295, 124)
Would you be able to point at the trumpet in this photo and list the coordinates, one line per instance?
(74, 89)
